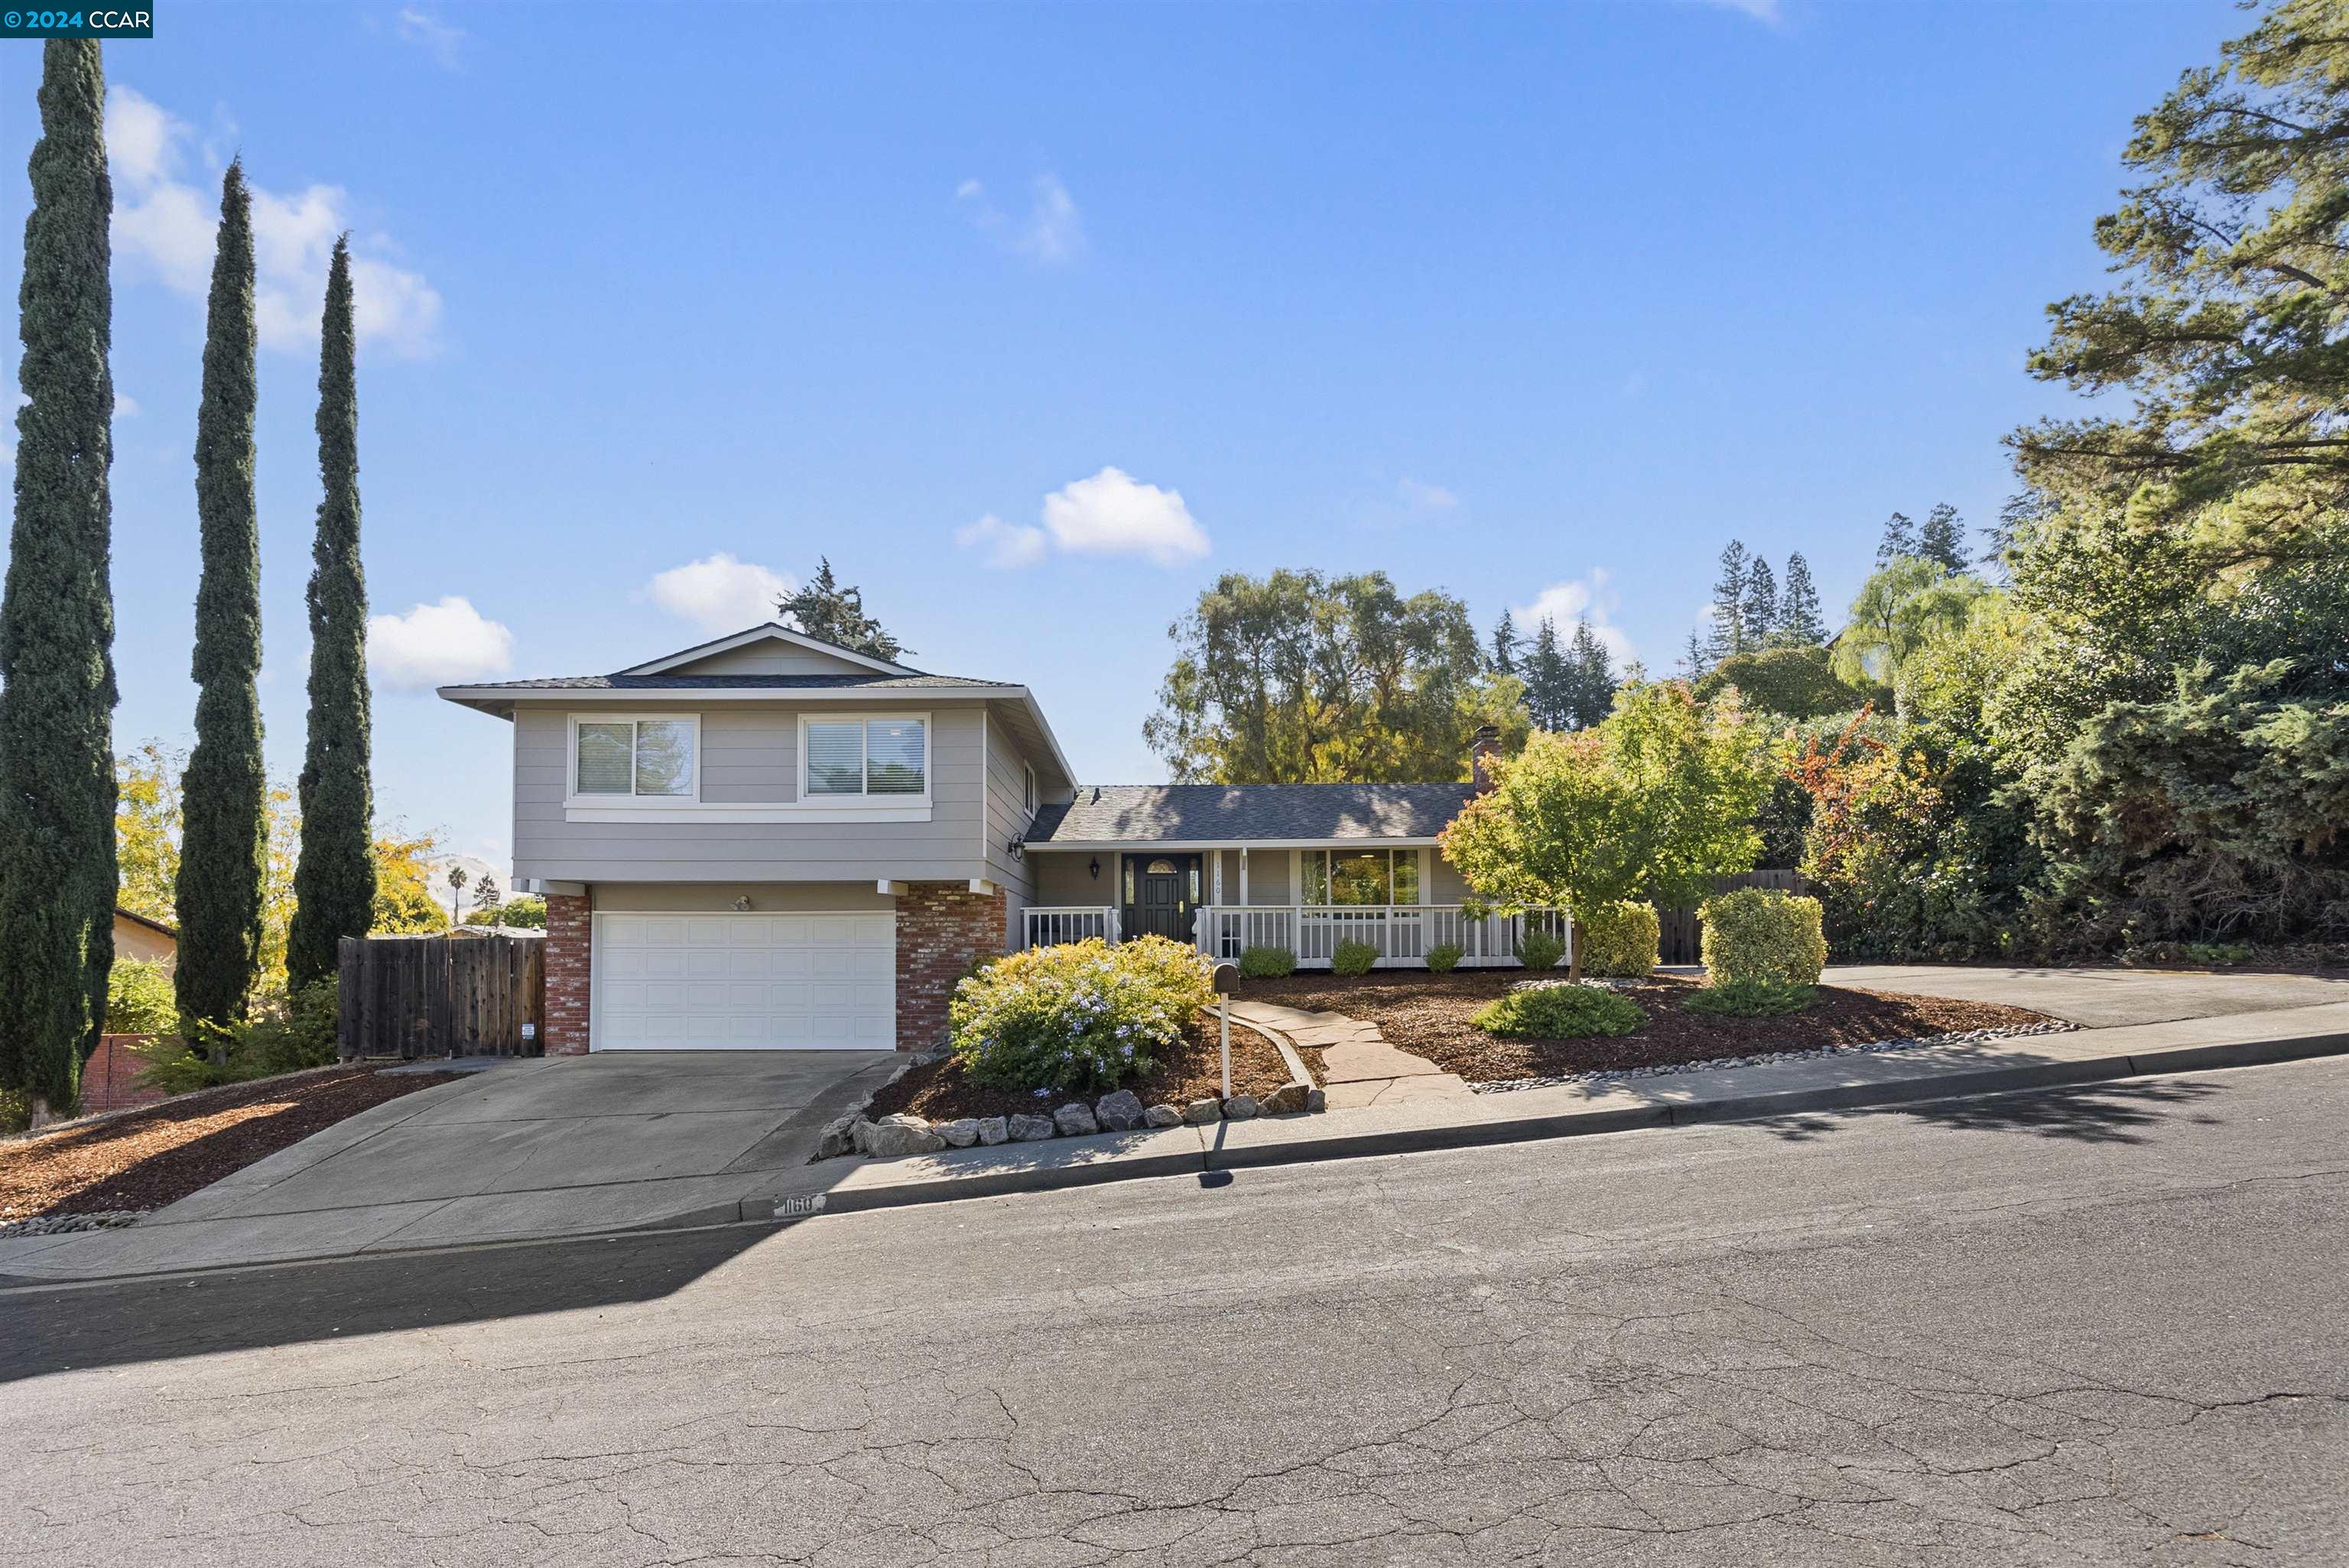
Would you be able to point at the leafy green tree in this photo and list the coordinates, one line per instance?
(1899, 610)
(335, 879)
(1790, 681)
(1728, 635)
(403, 902)
(147, 819)
(57, 616)
(1761, 607)
(1506, 646)
(224, 839)
(824, 609)
(1651, 805)
(1942, 538)
(2228, 327)
(1800, 621)
(1297, 677)
(526, 911)
(1900, 540)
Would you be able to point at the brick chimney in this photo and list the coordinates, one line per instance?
(1481, 753)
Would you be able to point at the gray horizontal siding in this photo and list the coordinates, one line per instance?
(770, 659)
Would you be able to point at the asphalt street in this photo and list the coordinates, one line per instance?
(2099, 1325)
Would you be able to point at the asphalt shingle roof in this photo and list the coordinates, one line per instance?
(745, 682)
(1240, 813)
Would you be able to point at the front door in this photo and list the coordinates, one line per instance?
(1162, 897)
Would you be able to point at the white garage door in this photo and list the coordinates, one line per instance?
(744, 981)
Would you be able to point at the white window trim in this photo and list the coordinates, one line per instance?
(815, 804)
(630, 801)
(1027, 788)
(1298, 873)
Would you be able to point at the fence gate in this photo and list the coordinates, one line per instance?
(1679, 935)
(442, 995)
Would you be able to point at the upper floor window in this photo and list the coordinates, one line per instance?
(867, 756)
(1027, 788)
(1360, 876)
(635, 757)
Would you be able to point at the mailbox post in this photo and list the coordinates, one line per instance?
(1227, 980)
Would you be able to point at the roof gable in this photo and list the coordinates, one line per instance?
(771, 649)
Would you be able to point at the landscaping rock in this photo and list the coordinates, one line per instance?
(993, 1129)
(1074, 1120)
(1200, 1112)
(1317, 1099)
(894, 1137)
(1165, 1114)
(960, 1133)
(1239, 1108)
(1286, 1100)
(838, 1137)
(1027, 1129)
(1120, 1111)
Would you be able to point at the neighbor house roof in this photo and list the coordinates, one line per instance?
(1207, 814)
(137, 919)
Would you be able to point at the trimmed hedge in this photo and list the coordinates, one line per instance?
(1443, 957)
(1620, 939)
(1352, 958)
(1079, 1016)
(1539, 950)
(1760, 934)
(1267, 963)
(1559, 1012)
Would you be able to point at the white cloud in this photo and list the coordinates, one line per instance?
(1422, 497)
(718, 594)
(1113, 513)
(1051, 234)
(433, 645)
(1767, 12)
(1007, 545)
(1563, 603)
(441, 40)
(164, 225)
(125, 406)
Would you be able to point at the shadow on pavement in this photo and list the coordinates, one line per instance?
(45, 1330)
(2085, 1113)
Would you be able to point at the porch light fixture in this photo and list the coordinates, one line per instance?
(1017, 848)
(742, 904)
(1094, 866)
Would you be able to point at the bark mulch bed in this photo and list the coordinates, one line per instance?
(1192, 1070)
(1428, 1016)
(148, 1157)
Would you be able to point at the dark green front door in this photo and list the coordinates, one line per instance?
(1162, 897)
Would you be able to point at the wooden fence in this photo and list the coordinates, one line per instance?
(1681, 936)
(442, 995)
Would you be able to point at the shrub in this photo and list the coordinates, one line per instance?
(1758, 933)
(1620, 939)
(1559, 1012)
(1079, 1016)
(1267, 963)
(284, 1036)
(1350, 958)
(1443, 957)
(1538, 949)
(140, 999)
(1752, 998)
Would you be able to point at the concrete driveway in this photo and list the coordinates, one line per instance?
(2100, 998)
(564, 1146)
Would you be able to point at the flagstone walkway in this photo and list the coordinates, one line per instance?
(1358, 1065)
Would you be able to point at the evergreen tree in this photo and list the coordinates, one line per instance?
(224, 831)
(1594, 676)
(1899, 539)
(1760, 605)
(1801, 622)
(1548, 680)
(57, 616)
(1943, 538)
(836, 614)
(1728, 638)
(1693, 662)
(334, 880)
(1505, 646)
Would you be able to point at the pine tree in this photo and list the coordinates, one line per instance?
(1692, 660)
(1505, 646)
(57, 616)
(1899, 539)
(1760, 605)
(1800, 621)
(1594, 676)
(1728, 637)
(334, 879)
(1548, 680)
(224, 828)
(836, 614)
(1943, 538)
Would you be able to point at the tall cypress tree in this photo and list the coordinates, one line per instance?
(224, 832)
(57, 616)
(1800, 621)
(334, 879)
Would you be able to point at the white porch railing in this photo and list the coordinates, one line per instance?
(1402, 933)
(1049, 926)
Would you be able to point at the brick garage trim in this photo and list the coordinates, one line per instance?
(570, 953)
(941, 927)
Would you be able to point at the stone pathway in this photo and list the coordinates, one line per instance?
(1358, 1067)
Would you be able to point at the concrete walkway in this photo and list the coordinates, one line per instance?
(553, 1147)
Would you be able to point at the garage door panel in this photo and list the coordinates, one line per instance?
(744, 981)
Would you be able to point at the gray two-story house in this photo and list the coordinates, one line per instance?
(770, 842)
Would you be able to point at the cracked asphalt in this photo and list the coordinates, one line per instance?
(2100, 1326)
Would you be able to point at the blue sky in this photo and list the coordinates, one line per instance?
(1539, 304)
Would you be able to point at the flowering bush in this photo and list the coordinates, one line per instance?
(1082, 1015)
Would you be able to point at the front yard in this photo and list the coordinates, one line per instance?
(1190, 1070)
(1428, 1016)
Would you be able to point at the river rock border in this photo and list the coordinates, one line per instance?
(1956, 1038)
(62, 1224)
